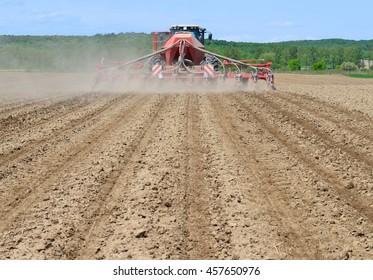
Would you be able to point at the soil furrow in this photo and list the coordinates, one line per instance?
(37, 118)
(342, 118)
(187, 172)
(361, 204)
(318, 205)
(197, 218)
(334, 107)
(24, 198)
(315, 130)
(144, 215)
(108, 203)
(17, 107)
(30, 145)
(299, 243)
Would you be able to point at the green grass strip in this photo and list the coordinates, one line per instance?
(363, 76)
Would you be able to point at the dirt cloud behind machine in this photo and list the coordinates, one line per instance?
(179, 55)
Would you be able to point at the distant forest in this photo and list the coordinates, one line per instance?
(82, 53)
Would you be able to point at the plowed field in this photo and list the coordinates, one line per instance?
(186, 175)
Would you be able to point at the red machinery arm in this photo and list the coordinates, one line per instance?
(156, 39)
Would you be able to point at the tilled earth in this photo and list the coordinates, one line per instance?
(187, 175)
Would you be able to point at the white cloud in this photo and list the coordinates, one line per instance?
(236, 37)
(282, 38)
(311, 38)
(53, 15)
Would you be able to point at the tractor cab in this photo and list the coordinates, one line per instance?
(197, 31)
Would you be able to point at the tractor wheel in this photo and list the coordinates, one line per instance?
(211, 60)
(154, 61)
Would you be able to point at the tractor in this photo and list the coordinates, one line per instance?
(180, 54)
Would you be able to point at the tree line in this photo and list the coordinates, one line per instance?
(297, 55)
(69, 53)
(82, 53)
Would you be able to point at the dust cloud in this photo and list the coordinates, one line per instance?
(18, 86)
(154, 85)
(23, 86)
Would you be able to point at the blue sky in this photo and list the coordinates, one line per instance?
(238, 20)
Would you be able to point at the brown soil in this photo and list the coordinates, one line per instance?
(186, 175)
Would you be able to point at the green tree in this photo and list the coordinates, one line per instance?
(319, 65)
(293, 52)
(348, 66)
(277, 63)
(336, 56)
(312, 55)
(294, 65)
(234, 53)
(353, 54)
(308, 56)
(268, 56)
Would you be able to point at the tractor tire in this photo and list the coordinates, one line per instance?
(211, 60)
(154, 61)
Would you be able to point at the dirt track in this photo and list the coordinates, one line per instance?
(241, 175)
